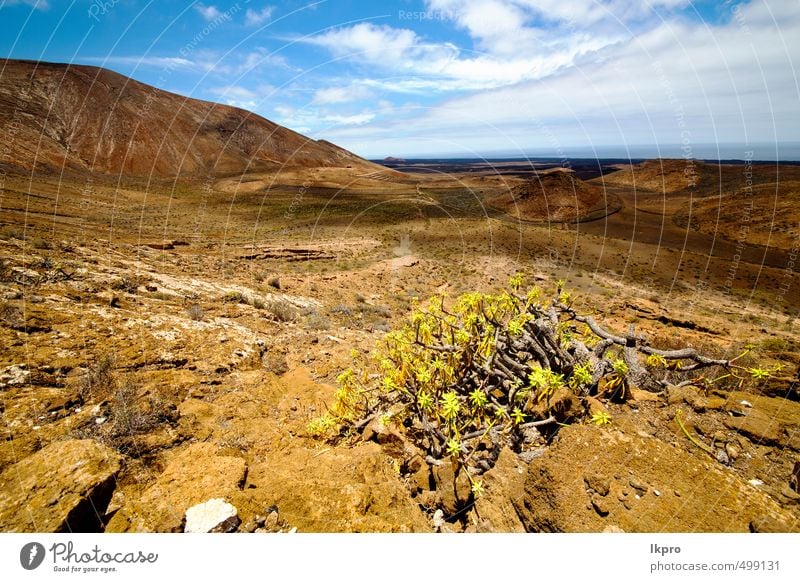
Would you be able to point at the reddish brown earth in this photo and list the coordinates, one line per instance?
(79, 118)
(557, 196)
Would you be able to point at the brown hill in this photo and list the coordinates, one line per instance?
(701, 178)
(76, 118)
(553, 196)
(767, 214)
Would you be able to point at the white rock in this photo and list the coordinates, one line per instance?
(204, 517)
(756, 482)
(438, 519)
(746, 404)
(14, 375)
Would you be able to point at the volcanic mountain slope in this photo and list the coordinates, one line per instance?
(553, 196)
(703, 179)
(74, 118)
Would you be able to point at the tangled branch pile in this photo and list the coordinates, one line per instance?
(465, 380)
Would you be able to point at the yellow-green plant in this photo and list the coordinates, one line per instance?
(467, 376)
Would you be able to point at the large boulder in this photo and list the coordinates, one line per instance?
(594, 479)
(195, 474)
(334, 490)
(64, 487)
(502, 483)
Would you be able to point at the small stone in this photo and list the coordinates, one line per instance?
(215, 515)
(528, 456)
(789, 493)
(438, 519)
(271, 521)
(656, 492)
(598, 483)
(100, 420)
(732, 450)
(611, 528)
(600, 505)
(638, 485)
(719, 436)
(756, 482)
(746, 404)
(293, 530)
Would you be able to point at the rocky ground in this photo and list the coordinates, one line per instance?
(142, 377)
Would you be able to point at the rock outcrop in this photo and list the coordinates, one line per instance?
(591, 479)
(195, 474)
(65, 487)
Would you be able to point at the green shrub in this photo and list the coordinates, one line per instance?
(464, 379)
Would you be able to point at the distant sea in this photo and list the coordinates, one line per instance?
(767, 152)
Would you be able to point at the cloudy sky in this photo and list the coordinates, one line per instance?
(461, 78)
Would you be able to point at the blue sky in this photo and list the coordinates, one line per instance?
(456, 77)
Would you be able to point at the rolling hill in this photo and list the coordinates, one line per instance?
(75, 118)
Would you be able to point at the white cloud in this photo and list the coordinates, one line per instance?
(147, 61)
(233, 92)
(681, 79)
(347, 94)
(258, 17)
(209, 12)
(243, 97)
(440, 66)
(309, 120)
(212, 62)
(379, 44)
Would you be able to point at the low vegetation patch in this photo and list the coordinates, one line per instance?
(463, 379)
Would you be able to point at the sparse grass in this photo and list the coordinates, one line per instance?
(161, 296)
(6, 274)
(40, 243)
(256, 302)
(235, 440)
(375, 310)
(129, 414)
(317, 322)
(9, 232)
(282, 310)
(341, 309)
(195, 312)
(126, 284)
(100, 380)
(233, 297)
(10, 315)
(775, 345)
